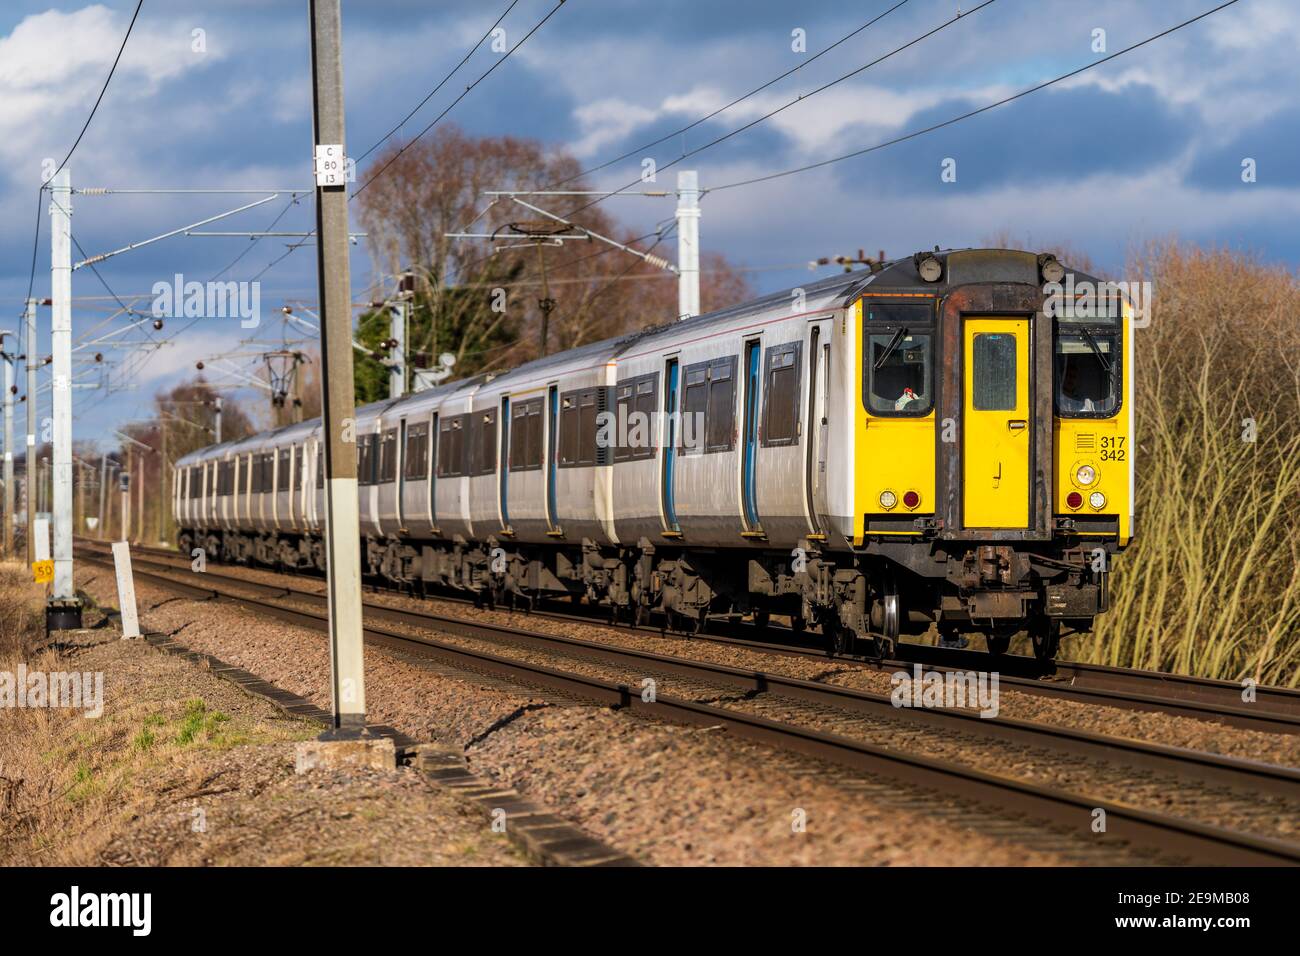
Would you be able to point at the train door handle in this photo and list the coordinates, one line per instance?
(1017, 424)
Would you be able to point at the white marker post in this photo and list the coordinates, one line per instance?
(125, 589)
(41, 539)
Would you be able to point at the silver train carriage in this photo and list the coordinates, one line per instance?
(926, 443)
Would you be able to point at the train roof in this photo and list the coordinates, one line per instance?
(902, 276)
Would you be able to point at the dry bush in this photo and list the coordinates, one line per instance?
(1212, 584)
(20, 615)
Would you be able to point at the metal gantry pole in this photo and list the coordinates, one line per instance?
(9, 451)
(688, 243)
(64, 608)
(216, 430)
(342, 530)
(29, 466)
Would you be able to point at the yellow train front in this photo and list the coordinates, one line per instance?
(991, 446)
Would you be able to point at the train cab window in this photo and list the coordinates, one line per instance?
(416, 453)
(781, 395)
(898, 374)
(1087, 374)
(994, 374)
(282, 474)
(386, 466)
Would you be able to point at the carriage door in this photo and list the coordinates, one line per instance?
(552, 426)
(996, 449)
(667, 502)
(749, 451)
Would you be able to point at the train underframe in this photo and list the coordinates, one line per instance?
(861, 601)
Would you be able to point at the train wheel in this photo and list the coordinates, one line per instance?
(762, 619)
(1045, 635)
(798, 623)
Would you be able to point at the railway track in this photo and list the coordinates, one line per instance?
(1274, 709)
(1163, 833)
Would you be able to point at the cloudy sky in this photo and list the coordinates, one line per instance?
(216, 94)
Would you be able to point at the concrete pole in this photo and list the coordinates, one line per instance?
(64, 608)
(164, 503)
(103, 489)
(688, 243)
(29, 466)
(81, 495)
(9, 454)
(397, 332)
(125, 484)
(342, 528)
(137, 477)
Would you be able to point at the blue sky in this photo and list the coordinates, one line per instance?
(1145, 147)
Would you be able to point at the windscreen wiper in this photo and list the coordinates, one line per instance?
(889, 349)
(1096, 350)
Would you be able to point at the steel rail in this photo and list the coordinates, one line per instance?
(1275, 710)
(1162, 833)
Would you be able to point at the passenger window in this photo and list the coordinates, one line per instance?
(993, 355)
(387, 456)
(416, 456)
(781, 396)
(451, 447)
(720, 428)
(487, 442)
(282, 476)
(632, 432)
(898, 374)
(526, 436)
(1087, 376)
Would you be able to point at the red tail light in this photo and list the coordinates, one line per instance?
(911, 499)
(1074, 499)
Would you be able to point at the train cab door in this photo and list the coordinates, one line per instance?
(997, 433)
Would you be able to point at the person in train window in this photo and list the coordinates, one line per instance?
(909, 399)
(1071, 398)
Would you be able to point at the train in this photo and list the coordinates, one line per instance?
(928, 444)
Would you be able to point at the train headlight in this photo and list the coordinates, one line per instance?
(1097, 500)
(1051, 268)
(888, 500)
(910, 500)
(1086, 475)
